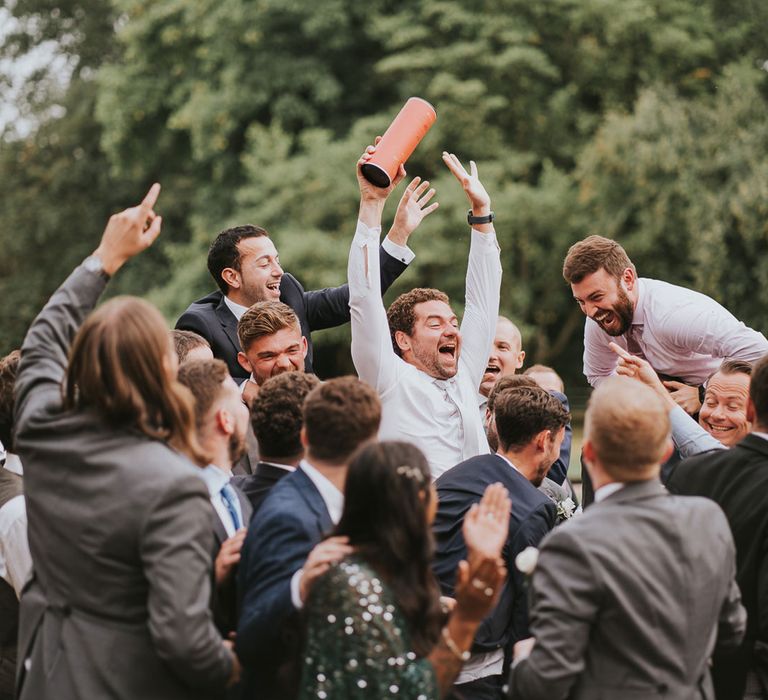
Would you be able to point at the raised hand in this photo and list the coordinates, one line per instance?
(129, 232)
(486, 524)
(640, 369)
(470, 182)
(685, 396)
(412, 210)
(369, 192)
(477, 588)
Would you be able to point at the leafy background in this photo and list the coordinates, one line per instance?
(642, 120)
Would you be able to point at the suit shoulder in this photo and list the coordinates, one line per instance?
(200, 309)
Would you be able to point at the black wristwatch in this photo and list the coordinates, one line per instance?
(472, 220)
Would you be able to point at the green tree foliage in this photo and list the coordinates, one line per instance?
(641, 119)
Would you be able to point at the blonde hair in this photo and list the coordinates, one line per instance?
(118, 369)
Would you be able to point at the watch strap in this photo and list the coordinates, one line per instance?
(473, 220)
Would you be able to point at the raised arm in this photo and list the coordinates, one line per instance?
(46, 346)
(372, 353)
(483, 275)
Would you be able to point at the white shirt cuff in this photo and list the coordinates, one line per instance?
(295, 596)
(400, 252)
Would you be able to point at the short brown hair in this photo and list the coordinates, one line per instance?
(758, 391)
(522, 412)
(508, 381)
(733, 366)
(628, 426)
(9, 368)
(276, 413)
(401, 314)
(265, 318)
(592, 254)
(339, 416)
(204, 378)
(116, 369)
(184, 341)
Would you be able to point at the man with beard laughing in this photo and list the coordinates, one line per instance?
(681, 333)
(426, 370)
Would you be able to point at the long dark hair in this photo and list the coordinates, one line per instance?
(386, 498)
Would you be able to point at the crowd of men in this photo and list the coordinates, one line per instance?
(637, 592)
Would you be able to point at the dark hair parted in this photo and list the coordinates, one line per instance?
(205, 379)
(9, 368)
(265, 318)
(276, 413)
(758, 391)
(184, 341)
(386, 498)
(522, 412)
(339, 416)
(118, 369)
(401, 314)
(592, 254)
(223, 252)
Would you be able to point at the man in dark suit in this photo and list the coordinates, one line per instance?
(221, 419)
(630, 598)
(276, 420)
(283, 553)
(530, 425)
(737, 480)
(244, 263)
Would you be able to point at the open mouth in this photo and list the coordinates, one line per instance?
(273, 286)
(604, 318)
(718, 429)
(448, 349)
(492, 369)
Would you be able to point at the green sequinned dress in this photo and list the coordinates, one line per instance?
(357, 641)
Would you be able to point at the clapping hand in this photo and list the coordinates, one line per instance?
(129, 232)
(412, 210)
(470, 182)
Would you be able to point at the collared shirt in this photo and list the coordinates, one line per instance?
(287, 467)
(761, 435)
(689, 437)
(215, 478)
(681, 333)
(334, 502)
(440, 416)
(15, 559)
(608, 490)
(238, 310)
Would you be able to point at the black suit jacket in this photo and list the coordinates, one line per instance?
(533, 516)
(211, 318)
(256, 486)
(737, 480)
(224, 597)
(290, 522)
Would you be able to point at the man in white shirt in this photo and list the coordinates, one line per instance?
(426, 370)
(221, 418)
(681, 333)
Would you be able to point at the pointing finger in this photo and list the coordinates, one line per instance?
(149, 200)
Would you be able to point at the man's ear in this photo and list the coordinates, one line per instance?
(751, 412)
(303, 438)
(243, 361)
(587, 451)
(403, 341)
(231, 277)
(225, 421)
(628, 279)
(542, 440)
(520, 359)
(304, 346)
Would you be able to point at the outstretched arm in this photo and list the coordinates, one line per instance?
(483, 275)
(46, 346)
(372, 352)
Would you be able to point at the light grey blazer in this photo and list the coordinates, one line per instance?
(629, 599)
(120, 535)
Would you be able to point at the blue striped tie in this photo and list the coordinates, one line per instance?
(230, 498)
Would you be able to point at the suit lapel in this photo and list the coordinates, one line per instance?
(219, 531)
(228, 323)
(314, 501)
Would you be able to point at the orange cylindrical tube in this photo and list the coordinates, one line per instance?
(400, 140)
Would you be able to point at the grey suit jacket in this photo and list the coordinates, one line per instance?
(629, 599)
(120, 534)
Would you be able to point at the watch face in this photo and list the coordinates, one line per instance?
(93, 264)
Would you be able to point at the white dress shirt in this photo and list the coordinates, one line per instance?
(334, 502)
(608, 490)
(15, 559)
(681, 333)
(215, 478)
(439, 416)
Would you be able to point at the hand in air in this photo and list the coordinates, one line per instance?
(470, 182)
(413, 208)
(129, 232)
(369, 192)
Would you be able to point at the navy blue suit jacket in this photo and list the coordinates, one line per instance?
(211, 318)
(533, 516)
(290, 522)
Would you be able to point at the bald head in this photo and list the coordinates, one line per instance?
(506, 354)
(626, 430)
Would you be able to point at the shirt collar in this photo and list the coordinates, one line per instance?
(638, 316)
(498, 454)
(13, 464)
(237, 309)
(287, 467)
(609, 489)
(214, 478)
(332, 497)
(760, 435)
